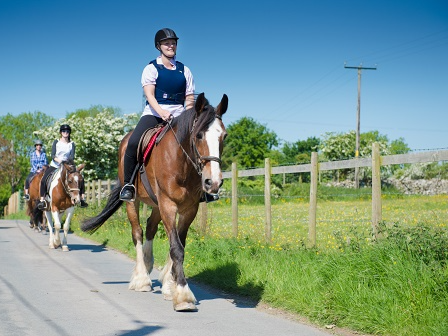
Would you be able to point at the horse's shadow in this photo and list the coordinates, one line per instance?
(92, 248)
(249, 295)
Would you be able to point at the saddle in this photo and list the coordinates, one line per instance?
(149, 138)
(48, 181)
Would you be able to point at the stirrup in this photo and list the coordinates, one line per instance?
(26, 197)
(127, 193)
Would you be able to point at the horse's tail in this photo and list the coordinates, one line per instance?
(90, 225)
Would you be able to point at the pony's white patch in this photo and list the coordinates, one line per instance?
(55, 181)
(212, 137)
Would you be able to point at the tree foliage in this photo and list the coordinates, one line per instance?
(10, 165)
(22, 129)
(248, 143)
(299, 151)
(341, 146)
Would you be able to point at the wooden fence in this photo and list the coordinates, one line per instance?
(97, 190)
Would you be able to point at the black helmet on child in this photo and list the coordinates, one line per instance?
(164, 34)
(65, 127)
(38, 142)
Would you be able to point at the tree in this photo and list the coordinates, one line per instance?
(248, 143)
(341, 146)
(300, 151)
(93, 111)
(10, 172)
(97, 136)
(21, 129)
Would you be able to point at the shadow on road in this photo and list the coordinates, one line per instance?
(92, 248)
(248, 295)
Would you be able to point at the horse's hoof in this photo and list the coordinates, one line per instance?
(185, 307)
(65, 248)
(144, 289)
(51, 247)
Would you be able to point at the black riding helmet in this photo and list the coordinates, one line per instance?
(164, 34)
(65, 127)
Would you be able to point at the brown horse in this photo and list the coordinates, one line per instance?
(37, 220)
(183, 165)
(63, 195)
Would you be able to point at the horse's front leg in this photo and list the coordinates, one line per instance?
(57, 228)
(140, 280)
(49, 217)
(68, 216)
(174, 283)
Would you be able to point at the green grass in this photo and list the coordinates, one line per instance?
(395, 286)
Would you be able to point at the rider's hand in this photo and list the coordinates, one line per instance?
(167, 116)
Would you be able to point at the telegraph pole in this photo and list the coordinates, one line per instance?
(358, 117)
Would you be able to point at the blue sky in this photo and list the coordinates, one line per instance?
(280, 62)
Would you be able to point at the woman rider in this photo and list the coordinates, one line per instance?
(169, 89)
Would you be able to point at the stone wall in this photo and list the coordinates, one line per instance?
(407, 186)
(420, 187)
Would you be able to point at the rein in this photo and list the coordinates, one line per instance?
(200, 160)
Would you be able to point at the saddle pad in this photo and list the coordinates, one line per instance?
(147, 142)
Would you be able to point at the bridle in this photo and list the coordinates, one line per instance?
(67, 188)
(200, 160)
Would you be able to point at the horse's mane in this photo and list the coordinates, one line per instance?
(71, 165)
(184, 122)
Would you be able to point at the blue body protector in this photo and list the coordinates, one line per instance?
(170, 84)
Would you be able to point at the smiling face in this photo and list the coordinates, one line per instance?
(168, 47)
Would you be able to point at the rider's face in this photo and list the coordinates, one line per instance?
(168, 47)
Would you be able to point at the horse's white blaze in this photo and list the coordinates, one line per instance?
(212, 137)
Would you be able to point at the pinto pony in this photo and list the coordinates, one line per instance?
(63, 195)
(184, 164)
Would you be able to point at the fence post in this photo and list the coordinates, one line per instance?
(203, 222)
(145, 211)
(234, 200)
(376, 188)
(99, 192)
(87, 186)
(313, 200)
(267, 199)
(108, 187)
(93, 190)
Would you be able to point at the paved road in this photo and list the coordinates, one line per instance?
(84, 292)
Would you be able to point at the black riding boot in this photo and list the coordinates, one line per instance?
(127, 193)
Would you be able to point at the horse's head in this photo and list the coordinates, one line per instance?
(207, 139)
(73, 181)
